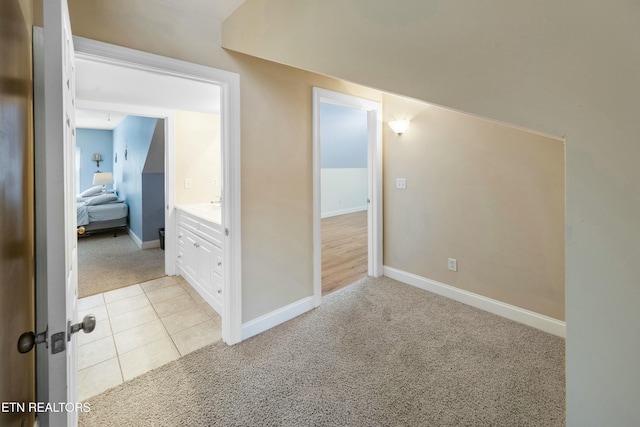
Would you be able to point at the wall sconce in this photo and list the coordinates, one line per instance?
(104, 179)
(96, 158)
(399, 126)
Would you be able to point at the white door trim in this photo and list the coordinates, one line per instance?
(229, 84)
(374, 164)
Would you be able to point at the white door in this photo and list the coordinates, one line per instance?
(56, 241)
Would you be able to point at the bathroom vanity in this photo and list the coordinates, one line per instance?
(199, 258)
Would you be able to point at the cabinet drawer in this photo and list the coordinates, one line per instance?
(181, 237)
(188, 222)
(217, 286)
(211, 234)
(217, 260)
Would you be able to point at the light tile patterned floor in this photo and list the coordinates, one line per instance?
(139, 328)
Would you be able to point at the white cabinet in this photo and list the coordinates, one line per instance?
(200, 257)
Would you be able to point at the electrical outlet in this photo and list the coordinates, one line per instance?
(401, 183)
(453, 264)
(214, 182)
(188, 183)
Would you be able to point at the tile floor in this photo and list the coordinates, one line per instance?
(139, 328)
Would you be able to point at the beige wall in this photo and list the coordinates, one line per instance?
(277, 194)
(277, 263)
(488, 195)
(197, 156)
(568, 68)
(276, 162)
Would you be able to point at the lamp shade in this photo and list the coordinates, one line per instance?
(102, 178)
(399, 126)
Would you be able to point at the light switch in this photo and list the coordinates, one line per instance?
(401, 183)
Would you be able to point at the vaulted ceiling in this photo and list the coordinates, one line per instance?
(215, 9)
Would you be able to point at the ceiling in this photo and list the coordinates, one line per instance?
(115, 84)
(215, 9)
(90, 119)
(96, 81)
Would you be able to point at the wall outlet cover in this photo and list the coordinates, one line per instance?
(401, 183)
(453, 264)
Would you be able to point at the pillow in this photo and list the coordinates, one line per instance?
(102, 199)
(92, 191)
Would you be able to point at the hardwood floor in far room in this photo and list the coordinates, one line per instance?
(344, 250)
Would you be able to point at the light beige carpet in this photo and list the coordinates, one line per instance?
(106, 263)
(377, 353)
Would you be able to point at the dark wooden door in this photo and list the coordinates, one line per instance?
(17, 371)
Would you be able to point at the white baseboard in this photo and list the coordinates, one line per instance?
(143, 245)
(281, 315)
(529, 318)
(135, 238)
(343, 211)
(151, 244)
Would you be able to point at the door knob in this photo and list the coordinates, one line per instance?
(87, 325)
(28, 340)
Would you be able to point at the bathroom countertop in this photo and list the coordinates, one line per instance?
(211, 212)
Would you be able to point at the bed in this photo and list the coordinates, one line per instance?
(99, 211)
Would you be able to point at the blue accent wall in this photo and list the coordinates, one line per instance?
(153, 202)
(153, 186)
(90, 141)
(343, 136)
(133, 135)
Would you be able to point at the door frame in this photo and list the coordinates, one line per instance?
(229, 84)
(374, 187)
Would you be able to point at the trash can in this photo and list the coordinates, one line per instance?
(161, 233)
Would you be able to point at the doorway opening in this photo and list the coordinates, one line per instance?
(119, 221)
(229, 88)
(347, 187)
(172, 105)
(144, 321)
(344, 193)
